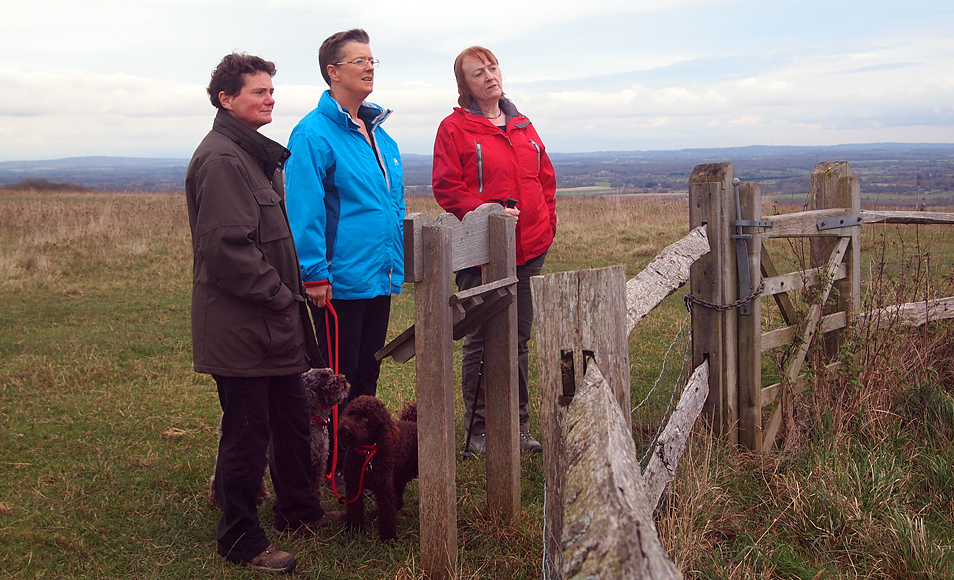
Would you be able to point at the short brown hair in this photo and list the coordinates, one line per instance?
(333, 46)
(229, 75)
(465, 97)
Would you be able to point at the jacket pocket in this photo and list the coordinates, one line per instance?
(286, 341)
(271, 218)
(537, 147)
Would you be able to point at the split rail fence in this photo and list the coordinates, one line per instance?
(592, 335)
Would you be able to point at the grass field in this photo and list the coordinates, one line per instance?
(107, 436)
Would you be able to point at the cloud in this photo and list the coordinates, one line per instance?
(114, 78)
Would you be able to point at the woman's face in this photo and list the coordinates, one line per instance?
(254, 103)
(482, 78)
(353, 78)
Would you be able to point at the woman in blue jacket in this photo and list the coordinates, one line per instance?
(346, 208)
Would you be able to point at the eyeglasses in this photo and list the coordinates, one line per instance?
(361, 62)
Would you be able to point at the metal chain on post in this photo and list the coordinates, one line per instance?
(723, 307)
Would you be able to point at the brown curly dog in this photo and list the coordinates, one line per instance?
(381, 458)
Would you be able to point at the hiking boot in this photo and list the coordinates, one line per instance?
(330, 519)
(478, 443)
(272, 560)
(529, 444)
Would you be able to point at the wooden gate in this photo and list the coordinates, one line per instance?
(727, 284)
(726, 287)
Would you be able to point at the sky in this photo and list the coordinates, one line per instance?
(121, 78)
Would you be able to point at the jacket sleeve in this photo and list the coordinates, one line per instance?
(226, 232)
(548, 183)
(305, 173)
(447, 176)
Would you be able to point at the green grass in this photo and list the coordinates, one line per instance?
(107, 436)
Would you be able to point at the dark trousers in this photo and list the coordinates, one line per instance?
(256, 411)
(473, 348)
(361, 331)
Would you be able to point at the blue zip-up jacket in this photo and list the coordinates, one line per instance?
(346, 201)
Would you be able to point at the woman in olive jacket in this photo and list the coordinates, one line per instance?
(247, 307)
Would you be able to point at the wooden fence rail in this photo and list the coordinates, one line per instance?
(609, 530)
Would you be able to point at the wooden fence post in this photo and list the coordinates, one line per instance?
(750, 329)
(500, 378)
(578, 313)
(435, 402)
(835, 185)
(713, 278)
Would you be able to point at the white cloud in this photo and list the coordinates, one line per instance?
(117, 78)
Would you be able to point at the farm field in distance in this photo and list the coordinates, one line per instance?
(892, 174)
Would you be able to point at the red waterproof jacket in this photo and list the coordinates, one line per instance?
(476, 162)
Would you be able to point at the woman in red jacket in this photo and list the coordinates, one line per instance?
(485, 151)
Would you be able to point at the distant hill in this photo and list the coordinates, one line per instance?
(43, 185)
(893, 171)
(144, 173)
(105, 173)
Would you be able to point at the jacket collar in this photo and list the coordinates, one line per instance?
(371, 113)
(475, 117)
(506, 105)
(269, 154)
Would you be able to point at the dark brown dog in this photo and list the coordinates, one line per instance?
(381, 457)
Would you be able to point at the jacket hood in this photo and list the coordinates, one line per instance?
(269, 154)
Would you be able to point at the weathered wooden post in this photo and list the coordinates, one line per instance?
(434, 249)
(502, 404)
(713, 279)
(579, 315)
(835, 185)
(750, 328)
(435, 402)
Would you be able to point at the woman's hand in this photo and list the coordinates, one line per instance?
(512, 211)
(319, 295)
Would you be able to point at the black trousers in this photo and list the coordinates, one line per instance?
(256, 411)
(361, 331)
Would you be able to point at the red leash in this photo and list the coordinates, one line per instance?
(334, 357)
(368, 451)
(333, 361)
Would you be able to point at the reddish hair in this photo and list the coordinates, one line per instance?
(465, 97)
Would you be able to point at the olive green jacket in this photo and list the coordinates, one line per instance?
(247, 297)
